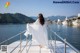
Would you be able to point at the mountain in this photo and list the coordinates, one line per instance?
(72, 16)
(59, 17)
(17, 18)
(34, 17)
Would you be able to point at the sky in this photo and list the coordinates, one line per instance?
(34, 7)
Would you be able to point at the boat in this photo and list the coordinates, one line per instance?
(27, 45)
(76, 22)
(59, 21)
(65, 22)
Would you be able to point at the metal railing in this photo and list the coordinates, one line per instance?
(21, 49)
(64, 42)
(53, 47)
(12, 37)
(20, 44)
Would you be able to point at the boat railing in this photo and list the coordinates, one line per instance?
(53, 47)
(20, 44)
(12, 37)
(64, 41)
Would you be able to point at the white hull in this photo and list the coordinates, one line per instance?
(34, 48)
(65, 23)
(59, 21)
(76, 23)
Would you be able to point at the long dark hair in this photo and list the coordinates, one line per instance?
(41, 19)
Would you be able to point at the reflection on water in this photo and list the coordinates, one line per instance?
(72, 34)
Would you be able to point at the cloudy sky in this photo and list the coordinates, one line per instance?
(34, 7)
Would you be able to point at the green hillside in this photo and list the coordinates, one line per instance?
(17, 18)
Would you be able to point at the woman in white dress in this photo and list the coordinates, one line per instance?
(38, 30)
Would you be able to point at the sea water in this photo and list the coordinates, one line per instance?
(70, 33)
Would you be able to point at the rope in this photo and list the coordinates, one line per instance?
(13, 37)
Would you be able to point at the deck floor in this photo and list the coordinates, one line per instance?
(33, 47)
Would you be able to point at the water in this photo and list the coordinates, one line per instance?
(7, 31)
(72, 34)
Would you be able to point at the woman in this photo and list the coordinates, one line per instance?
(38, 31)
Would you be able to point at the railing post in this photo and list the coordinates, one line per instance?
(55, 44)
(65, 42)
(20, 43)
(65, 46)
(40, 49)
(26, 45)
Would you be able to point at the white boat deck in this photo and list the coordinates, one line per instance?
(34, 48)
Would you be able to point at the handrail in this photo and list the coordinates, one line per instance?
(76, 50)
(12, 37)
(16, 47)
(67, 43)
(52, 45)
(29, 47)
(25, 46)
(72, 47)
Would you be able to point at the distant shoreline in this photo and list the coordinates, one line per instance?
(17, 18)
(12, 24)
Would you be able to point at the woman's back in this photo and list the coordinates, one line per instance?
(39, 32)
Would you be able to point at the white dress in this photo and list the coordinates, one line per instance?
(38, 32)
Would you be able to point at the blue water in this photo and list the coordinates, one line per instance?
(7, 31)
(72, 34)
